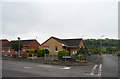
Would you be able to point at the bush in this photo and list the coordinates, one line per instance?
(35, 51)
(30, 55)
(63, 53)
(30, 50)
(24, 55)
(14, 55)
(74, 57)
(42, 52)
(82, 57)
(46, 51)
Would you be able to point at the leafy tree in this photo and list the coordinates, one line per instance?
(82, 53)
(108, 45)
(15, 46)
(104, 50)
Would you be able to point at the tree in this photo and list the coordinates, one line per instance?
(82, 53)
(93, 51)
(15, 46)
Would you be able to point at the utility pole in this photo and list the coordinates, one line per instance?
(19, 46)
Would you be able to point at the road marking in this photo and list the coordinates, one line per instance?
(100, 69)
(45, 65)
(26, 67)
(93, 70)
(66, 68)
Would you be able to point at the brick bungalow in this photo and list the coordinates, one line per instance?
(27, 44)
(54, 45)
(2, 43)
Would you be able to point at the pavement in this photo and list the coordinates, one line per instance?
(105, 66)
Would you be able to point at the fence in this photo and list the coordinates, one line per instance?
(50, 57)
(53, 57)
(92, 57)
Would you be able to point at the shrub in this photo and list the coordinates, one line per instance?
(46, 51)
(24, 55)
(42, 52)
(30, 55)
(74, 57)
(30, 52)
(63, 53)
(82, 57)
(35, 51)
(14, 55)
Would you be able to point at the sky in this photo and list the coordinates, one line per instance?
(62, 18)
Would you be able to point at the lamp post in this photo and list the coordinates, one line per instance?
(101, 45)
(9, 51)
(18, 46)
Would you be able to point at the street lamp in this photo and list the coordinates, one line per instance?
(18, 46)
(101, 44)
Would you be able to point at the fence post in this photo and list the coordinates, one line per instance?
(45, 57)
(52, 57)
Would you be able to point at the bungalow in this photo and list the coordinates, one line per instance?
(27, 44)
(2, 43)
(54, 45)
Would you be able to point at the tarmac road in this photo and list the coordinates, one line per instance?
(28, 69)
(108, 67)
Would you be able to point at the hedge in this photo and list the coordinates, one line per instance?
(63, 53)
(42, 52)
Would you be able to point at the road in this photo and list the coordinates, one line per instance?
(108, 67)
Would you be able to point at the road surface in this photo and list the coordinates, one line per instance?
(108, 67)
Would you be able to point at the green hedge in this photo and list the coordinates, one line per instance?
(42, 52)
(62, 53)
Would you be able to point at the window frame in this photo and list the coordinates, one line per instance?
(56, 47)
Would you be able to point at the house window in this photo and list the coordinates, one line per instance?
(56, 48)
(46, 47)
(74, 52)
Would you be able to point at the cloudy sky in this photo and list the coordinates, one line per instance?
(62, 18)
